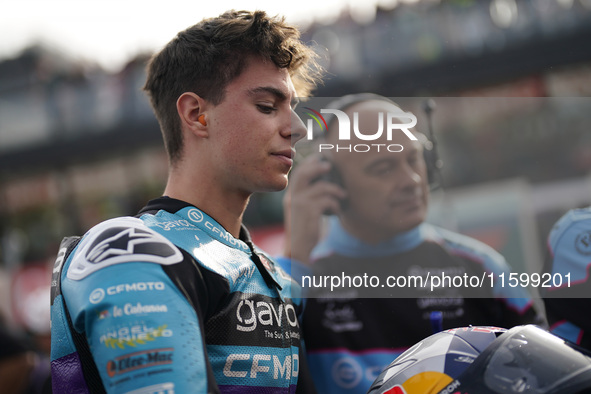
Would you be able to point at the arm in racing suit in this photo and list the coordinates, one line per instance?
(171, 302)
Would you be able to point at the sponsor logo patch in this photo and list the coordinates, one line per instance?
(121, 240)
(98, 294)
(130, 309)
(251, 313)
(244, 365)
(134, 336)
(139, 360)
(583, 243)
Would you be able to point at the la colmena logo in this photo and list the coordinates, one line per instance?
(394, 120)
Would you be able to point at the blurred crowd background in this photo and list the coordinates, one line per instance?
(511, 81)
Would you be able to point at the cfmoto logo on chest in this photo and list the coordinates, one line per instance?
(242, 365)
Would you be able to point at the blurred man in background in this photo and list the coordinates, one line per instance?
(378, 192)
(178, 299)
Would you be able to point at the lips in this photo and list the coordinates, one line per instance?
(288, 153)
(286, 156)
(414, 199)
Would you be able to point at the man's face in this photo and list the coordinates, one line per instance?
(387, 191)
(253, 130)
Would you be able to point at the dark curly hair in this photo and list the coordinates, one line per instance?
(206, 57)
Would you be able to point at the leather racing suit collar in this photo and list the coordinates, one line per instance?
(342, 242)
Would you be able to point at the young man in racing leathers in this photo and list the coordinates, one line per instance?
(178, 299)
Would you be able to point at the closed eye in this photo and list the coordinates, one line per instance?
(266, 109)
(381, 168)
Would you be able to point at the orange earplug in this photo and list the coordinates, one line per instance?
(201, 119)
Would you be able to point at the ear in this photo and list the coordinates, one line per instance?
(190, 108)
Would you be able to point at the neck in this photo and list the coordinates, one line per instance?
(341, 240)
(225, 206)
(369, 233)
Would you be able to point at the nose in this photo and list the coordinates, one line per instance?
(409, 176)
(297, 130)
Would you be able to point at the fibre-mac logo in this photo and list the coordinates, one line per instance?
(389, 122)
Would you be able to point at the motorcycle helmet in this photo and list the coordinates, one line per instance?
(483, 360)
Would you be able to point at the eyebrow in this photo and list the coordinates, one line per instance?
(392, 160)
(279, 94)
(382, 161)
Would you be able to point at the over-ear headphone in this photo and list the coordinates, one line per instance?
(430, 153)
(201, 119)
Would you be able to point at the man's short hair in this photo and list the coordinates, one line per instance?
(206, 57)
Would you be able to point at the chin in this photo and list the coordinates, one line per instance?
(411, 221)
(275, 185)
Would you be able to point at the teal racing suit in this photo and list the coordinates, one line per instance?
(169, 301)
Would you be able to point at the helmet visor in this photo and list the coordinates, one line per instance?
(527, 359)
